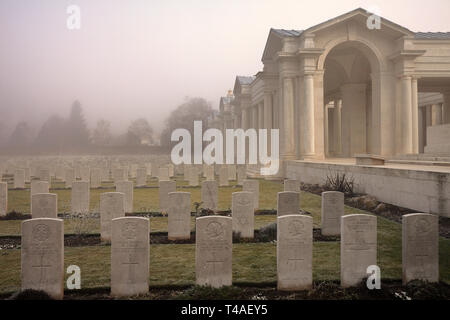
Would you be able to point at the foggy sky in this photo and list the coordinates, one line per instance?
(140, 58)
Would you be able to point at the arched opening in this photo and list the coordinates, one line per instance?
(348, 99)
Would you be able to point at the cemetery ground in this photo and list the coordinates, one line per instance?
(172, 264)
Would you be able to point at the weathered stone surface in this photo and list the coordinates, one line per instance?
(80, 197)
(96, 179)
(223, 176)
(126, 187)
(241, 174)
(111, 207)
(213, 251)
(19, 179)
(243, 214)
(39, 187)
(163, 174)
(294, 252)
(165, 187)
(332, 211)
(44, 205)
(208, 171)
(420, 247)
(210, 191)
(130, 256)
(358, 247)
(288, 203)
(179, 215)
(3, 198)
(292, 185)
(42, 251)
(85, 173)
(193, 177)
(253, 187)
(70, 177)
(141, 177)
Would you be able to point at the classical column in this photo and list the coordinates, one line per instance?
(406, 115)
(422, 128)
(261, 115)
(307, 116)
(446, 115)
(244, 119)
(267, 111)
(436, 114)
(287, 123)
(255, 117)
(415, 116)
(337, 126)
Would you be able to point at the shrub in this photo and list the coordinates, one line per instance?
(339, 182)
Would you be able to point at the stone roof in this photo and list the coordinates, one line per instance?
(245, 79)
(288, 33)
(433, 35)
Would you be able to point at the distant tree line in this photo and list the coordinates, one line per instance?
(72, 133)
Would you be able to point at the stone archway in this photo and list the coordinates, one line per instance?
(348, 99)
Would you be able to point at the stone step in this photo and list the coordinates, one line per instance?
(420, 162)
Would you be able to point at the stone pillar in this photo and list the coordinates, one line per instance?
(436, 114)
(353, 119)
(337, 126)
(267, 111)
(415, 116)
(406, 115)
(422, 128)
(446, 115)
(261, 115)
(287, 124)
(307, 116)
(255, 117)
(244, 119)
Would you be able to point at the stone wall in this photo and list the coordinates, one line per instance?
(424, 191)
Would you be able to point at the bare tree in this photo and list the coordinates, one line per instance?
(140, 132)
(102, 133)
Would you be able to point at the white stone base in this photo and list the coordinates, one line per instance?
(421, 188)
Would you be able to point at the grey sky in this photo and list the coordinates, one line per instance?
(141, 58)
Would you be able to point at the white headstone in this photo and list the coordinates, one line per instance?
(141, 177)
(253, 187)
(332, 211)
(19, 179)
(232, 172)
(163, 174)
(85, 173)
(210, 191)
(70, 177)
(44, 205)
(213, 251)
(96, 179)
(80, 197)
(126, 187)
(223, 176)
(179, 215)
(241, 174)
(243, 214)
(288, 203)
(420, 247)
(193, 177)
(3, 198)
(208, 171)
(39, 187)
(165, 187)
(111, 207)
(294, 252)
(42, 250)
(292, 185)
(130, 256)
(358, 247)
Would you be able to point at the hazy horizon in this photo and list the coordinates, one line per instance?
(141, 58)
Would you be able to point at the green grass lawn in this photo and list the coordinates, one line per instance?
(175, 264)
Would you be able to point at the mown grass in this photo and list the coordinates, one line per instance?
(175, 264)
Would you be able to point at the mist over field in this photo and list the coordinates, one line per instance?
(140, 59)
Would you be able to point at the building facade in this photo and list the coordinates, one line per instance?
(340, 88)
